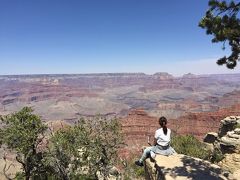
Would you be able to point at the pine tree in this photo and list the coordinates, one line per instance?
(222, 20)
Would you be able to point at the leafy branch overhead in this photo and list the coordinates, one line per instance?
(222, 21)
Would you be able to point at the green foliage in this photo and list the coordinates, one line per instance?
(190, 146)
(76, 152)
(67, 151)
(222, 21)
(131, 171)
(84, 149)
(105, 140)
(23, 132)
(140, 172)
(19, 176)
(216, 156)
(237, 126)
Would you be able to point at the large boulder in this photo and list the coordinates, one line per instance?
(210, 137)
(228, 124)
(228, 141)
(231, 162)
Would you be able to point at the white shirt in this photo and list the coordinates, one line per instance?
(162, 139)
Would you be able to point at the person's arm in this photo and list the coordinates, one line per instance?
(155, 142)
(149, 141)
(155, 139)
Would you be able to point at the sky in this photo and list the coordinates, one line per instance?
(106, 36)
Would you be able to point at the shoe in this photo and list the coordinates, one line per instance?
(138, 163)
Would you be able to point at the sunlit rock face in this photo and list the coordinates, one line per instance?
(182, 167)
(227, 140)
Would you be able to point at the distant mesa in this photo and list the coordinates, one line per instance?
(163, 75)
(189, 75)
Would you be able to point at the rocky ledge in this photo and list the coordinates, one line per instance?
(181, 167)
(227, 141)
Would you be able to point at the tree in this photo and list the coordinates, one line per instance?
(81, 151)
(87, 149)
(222, 21)
(23, 132)
(106, 139)
(67, 152)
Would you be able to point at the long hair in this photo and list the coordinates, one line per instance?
(163, 124)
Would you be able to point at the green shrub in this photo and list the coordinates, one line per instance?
(131, 171)
(216, 156)
(191, 146)
(86, 148)
(140, 172)
(237, 126)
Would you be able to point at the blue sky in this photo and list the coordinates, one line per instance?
(94, 36)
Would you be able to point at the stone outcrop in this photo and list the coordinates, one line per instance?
(228, 135)
(228, 142)
(210, 137)
(182, 167)
(227, 125)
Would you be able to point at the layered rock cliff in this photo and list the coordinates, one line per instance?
(66, 97)
(227, 140)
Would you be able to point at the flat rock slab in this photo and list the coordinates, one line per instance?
(12, 169)
(181, 167)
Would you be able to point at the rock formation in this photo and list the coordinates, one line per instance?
(227, 140)
(66, 97)
(182, 167)
(198, 124)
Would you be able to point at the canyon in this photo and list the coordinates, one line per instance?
(194, 104)
(68, 97)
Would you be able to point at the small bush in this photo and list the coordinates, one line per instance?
(237, 126)
(139, 172)
(131, 171)
(190, 146)
(216, 156)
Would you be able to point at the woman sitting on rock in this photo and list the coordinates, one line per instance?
(161, 143)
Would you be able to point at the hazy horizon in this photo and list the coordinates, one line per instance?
(95, 73)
